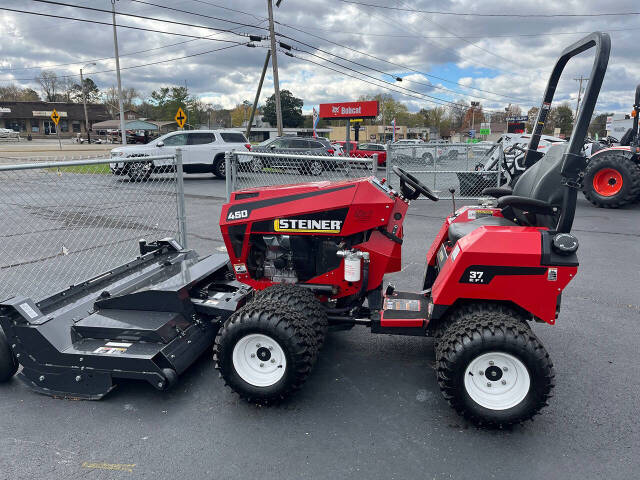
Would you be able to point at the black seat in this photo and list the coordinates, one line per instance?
(542, 182)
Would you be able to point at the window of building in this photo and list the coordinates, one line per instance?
(64, 125)
(35, 126)
(16, 125)
(76, 127)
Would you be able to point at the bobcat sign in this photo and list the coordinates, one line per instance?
(349, 110)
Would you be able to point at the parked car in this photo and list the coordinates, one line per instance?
(343, 146)
(367, 150)
(296, 145)
(202, 152)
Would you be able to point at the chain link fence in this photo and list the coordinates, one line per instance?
(442, 166)
(258, 169)
(65, 222)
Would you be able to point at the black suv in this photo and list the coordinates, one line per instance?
(296, 145)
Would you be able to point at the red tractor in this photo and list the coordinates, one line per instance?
(304, 258)
(316, 252)
(612, 177)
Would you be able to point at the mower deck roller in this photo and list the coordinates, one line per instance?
(312, 256)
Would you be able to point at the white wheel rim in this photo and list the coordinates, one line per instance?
(259, 360)
(497, 380)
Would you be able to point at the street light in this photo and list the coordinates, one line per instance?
(84, 101)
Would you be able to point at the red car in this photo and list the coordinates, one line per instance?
(366, 150)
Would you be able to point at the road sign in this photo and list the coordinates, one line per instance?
(180, 118)
(356, 120)
(55, 117)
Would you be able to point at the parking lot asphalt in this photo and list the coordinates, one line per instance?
(372, 407)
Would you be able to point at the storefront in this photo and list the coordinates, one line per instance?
(34, 118)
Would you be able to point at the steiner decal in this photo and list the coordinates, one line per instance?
(307, 226)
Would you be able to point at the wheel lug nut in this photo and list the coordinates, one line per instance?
(505, 369)
(262, 364)
(257, 345)
(273, 360)
(491, 362)
(488, 384)
(253, 355)
(481, 372)
(504, 382)
(270, 348)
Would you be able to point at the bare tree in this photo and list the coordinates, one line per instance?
(49, 84)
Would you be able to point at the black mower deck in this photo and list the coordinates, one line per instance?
(149, 319)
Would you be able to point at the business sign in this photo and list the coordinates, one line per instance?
(349, 110)
(518, 119)
(5, 110)
(485, 128)
(47, 113)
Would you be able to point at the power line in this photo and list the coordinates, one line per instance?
(418, 96)
(97, 22)
(110, 58)
(390, 63)
(424, 96)
(518, 15)
(167, 60)
(498, 35)
(257, 17)
(143, 17)
(192, 13)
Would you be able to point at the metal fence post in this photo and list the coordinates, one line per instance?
(374, 160)
(182, 221)
(228, 174)
(435, 167)
(500, 161)
(388, 166)
(234, 172)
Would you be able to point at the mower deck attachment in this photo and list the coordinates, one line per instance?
(149, 319)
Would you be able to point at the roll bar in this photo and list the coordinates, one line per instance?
(573, 162)
(635, 142)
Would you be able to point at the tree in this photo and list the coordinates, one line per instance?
(598, 125)
(110, 99)
(563, 118)
(291, 109)
(91, 91)
(240, 113)
(49, 84)
(473, 117)
(13, 93)
(533, 116)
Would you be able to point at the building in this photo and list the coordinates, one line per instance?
(373, 133)
(260, 134)
(34, 118)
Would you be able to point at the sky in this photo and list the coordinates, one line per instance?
(495, 60)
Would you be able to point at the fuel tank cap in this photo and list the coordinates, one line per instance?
(565, 243)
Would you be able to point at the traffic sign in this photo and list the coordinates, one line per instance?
(55, 117)
(355, 120)
(180, 118)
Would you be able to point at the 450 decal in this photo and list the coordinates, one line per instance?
(238, 214)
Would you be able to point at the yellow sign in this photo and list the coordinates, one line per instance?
(55, 117)
(180, 118)
(355, 120)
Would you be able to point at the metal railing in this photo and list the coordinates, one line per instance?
(449, 165)
(260, 169)
(65, 222)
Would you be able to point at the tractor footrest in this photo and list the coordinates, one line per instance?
(132, 325)
(402, 313)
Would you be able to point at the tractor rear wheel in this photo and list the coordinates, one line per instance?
(611, 180)
(264, 352)
(301, 300)
(8, 361)
(492, 369)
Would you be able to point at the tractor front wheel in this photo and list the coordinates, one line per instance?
(492, 369)
(265, 352)
(8, 361)
(611, 180)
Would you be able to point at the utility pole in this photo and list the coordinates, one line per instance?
(274, 64)
(580, 80)
(123, 132)
(84, 102)
(255, 101)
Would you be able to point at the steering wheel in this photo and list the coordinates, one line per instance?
(411, 187)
